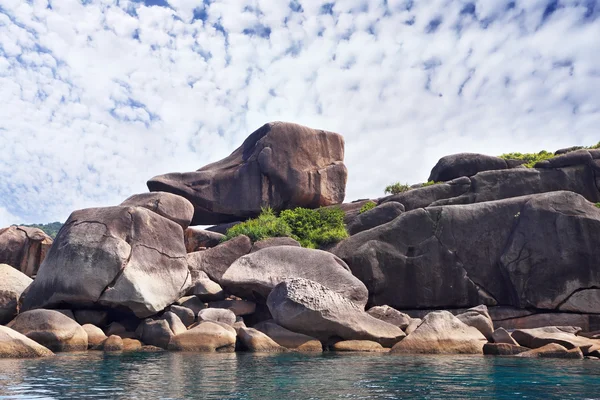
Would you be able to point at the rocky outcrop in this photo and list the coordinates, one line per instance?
(197, 239)
(256, 274)
(442, 333)
(15, 345)
(527, 252)
(12, 284)
(288, 339)
(51, 329)
(379, 215)
(207, 336)
(168, 205)
(466, 164)
(310, 308)
(214, 262)
(128, 258)
(24, 248)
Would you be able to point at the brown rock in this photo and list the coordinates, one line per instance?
(503, 349)
(168, 205)
(113, 343)
(478, 317)
(553, 350)
(289, 339)
(442, 333)
(208, 336)
(12, 284)
(500, 335)
(274, 242)
(51, 329)
(413, 325)
(255, 341)
(95, 336)
(132, 345)
(24, 248)
(359, 346)
(214, 262)
(15, 345)
(281, 165)
(197, 239)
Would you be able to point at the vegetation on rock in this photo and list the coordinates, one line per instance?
(312, 228)
(368, 206)
(50, 229)
(532, 158)
(397, 188)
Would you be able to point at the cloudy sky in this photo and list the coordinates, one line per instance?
(97, 96)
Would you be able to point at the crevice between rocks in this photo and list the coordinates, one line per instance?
(559, 305)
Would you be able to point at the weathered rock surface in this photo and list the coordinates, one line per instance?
(208, 336)
(532, 251)
(553, 350)
(478, 317)
(24, 248)
(256, 274)
(238, 307)
(503, 349)
(214, 262)
(281, 165)
(193, 303)
(168, 205)
(464, 164)
(217, 314)
(51, 329)
(16, 345)
(255, 341)
(366, 346)
(273, 242)
(390, 315)
(379, 215)
(501, 336)
(427, 195)
(12, 284)
(95, 336)
(186, 315)
(413, 325)
(128, 258)
(200, 239)
(308, 307)
(205, 288)
(563, 335)
(289, 339)
(442, 333)
(160, 330)
(113, 343)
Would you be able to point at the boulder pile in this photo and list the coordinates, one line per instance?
(495, 258)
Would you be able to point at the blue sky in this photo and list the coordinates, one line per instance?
(97, 96)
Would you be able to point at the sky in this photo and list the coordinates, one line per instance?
(98, 96)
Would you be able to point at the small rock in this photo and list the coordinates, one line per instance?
(131, 344)
(359, 346)
(196, 238)
(95, 336)
(217, 314)
(208, 336)
(185, 314)
(255, 341)
(206, 289)
(113, 343)
(478, 317)
(12, 284)
(390, 315)
(289, 339)
(193, 303)
(501, 335)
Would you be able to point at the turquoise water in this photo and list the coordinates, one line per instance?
(295, 376)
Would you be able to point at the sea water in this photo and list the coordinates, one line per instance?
(295, 376)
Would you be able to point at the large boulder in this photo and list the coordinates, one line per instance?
(553, 350)
(95, 336)
(255, 341)
(464, 164)
(364, 346)
(208, 336)
(289, 339)
(563, 335)
(197, 239)
(273, 242)
(128, 258)
(281, 165)
(442, 333)
(12, 284)
(390, 315)
(310, 308)
(478, 317)
(159, 331)
(51, 329)
(528, 252)
(214, 262)
(168, 205)
(16, 345)
(256, 274)
(379, 215)
(217, 314)
(24, 248)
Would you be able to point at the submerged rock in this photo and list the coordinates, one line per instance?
(308, 307)
(281, 165)
(127, 258)
(503, 349)
(553, 350)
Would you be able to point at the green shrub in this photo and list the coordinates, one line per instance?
(430, 183)
(265, 226)
(397, 188)
(312, 228)
(367, 206)
(597, 205)
(530, 158)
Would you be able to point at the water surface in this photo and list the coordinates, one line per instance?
(295, 376)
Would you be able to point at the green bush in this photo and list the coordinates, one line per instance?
(597, 205)
(430, 183)
(50, 229)
(265, 226)
(530, 158)
(367, 206)
(397, 188)
(312, 228)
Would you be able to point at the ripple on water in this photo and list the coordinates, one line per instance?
(295, 376)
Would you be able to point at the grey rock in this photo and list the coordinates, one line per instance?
(501, 336)
(12, 284)
(273, 242)
(168, 205)
(204, 288)
(98, 318)
(185, 314)
(217, 314)
(16, 345)
(255, 341)
(503, 349)
(538, 337)
(214, 262)
(464, 164)
(238, 307)
(289, 339)
(390, 315)
(479, 318)
(379, 215)
(199, 239)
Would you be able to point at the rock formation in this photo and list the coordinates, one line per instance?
(24, 248)
(281, 165)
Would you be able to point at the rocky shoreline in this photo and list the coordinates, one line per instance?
(490, 258)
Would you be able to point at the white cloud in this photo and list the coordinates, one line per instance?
(99, 97)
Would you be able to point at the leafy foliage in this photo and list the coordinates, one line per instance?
(430, 183)
(367, 206)
(397, 188)
(50, 229)
(530, 158)
(312, 228)
(597, 205)
(265, 226)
